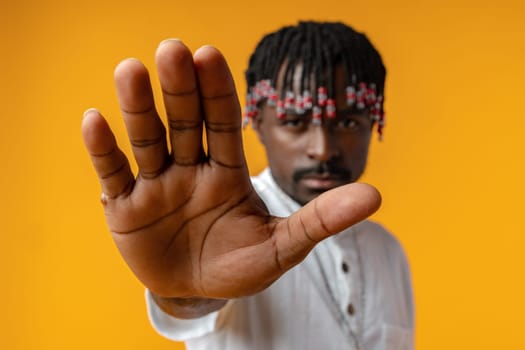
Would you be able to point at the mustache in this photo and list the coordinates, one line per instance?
(322, 168)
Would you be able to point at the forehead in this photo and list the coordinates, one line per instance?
(338, 79)
(338, 76)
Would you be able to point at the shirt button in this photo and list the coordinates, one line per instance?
(345, 267)
(350, 309)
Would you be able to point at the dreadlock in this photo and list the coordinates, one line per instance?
(317, 47)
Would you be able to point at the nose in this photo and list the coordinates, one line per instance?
(321, 144)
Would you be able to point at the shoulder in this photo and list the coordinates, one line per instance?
(375, 231)
(374, 236)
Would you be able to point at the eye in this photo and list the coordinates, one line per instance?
(349, 124)
(293, 122)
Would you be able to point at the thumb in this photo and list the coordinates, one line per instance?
(328, 214)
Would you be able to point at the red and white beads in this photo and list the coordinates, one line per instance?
(360, 95)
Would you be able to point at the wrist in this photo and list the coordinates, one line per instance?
(187, 308)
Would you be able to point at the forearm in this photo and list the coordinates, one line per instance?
(187, 308)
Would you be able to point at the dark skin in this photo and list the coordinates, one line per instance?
(190, 225)
(307, 160)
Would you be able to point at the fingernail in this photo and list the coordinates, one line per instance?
(171, 40)
(90, 110)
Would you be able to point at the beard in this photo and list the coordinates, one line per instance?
(323, 169)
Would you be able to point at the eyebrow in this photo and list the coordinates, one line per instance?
(354, 110)
(345, 112)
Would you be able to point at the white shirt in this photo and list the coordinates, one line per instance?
(353, 291)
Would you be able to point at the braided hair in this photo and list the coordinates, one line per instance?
(318, 47)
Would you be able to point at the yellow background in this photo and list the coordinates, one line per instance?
(451, 167)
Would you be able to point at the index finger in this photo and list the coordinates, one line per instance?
(222, 113)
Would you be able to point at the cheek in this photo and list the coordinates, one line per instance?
(285, 147)
(355, 156)
(284, 153)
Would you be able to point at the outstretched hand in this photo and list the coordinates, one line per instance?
(190, 223)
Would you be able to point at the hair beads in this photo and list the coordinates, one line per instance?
(302, 58)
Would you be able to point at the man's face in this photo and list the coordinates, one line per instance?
(307, 160)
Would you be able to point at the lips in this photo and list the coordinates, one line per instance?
(322, 182)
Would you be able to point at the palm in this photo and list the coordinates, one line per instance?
(191, 224)
(187, 226)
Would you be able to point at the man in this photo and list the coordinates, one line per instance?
(212, 247)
